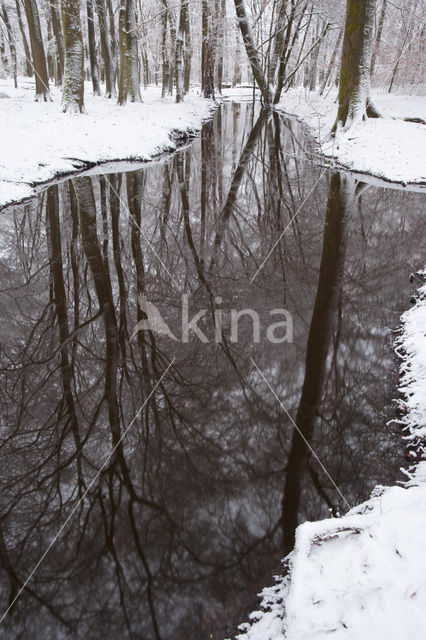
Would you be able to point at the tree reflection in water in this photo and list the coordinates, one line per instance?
(188, 518)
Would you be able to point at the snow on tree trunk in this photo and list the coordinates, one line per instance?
(332, 62)
(11, 39)
(179, 52)
(73, 89)
(354, 87)
(122, 43)
(207, 82)
(27, 52)
(378, 35)
(94, 68)
(38, 54)
(57, 30)
(129, 82)
(187, 54)
(252, 53)
(133, 84)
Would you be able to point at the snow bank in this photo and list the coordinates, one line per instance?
(388, 148)
(38, 142)
(363, 575)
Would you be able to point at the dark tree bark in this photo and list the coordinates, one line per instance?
(73, 90)
(94, 67)
(57, 275)
(38, 54)
(354, 87)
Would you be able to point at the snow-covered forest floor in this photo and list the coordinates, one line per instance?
(363, 575)
(39, 142)
(387, 147)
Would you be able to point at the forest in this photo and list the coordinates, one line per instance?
(212, 313)
(277, 44)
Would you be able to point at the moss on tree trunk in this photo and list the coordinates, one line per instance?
(354, 87)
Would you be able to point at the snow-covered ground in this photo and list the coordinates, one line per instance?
(386, 147)
(363, 575)
(39, 142)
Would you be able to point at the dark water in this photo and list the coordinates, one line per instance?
(173, 534)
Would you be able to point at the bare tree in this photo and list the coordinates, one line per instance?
(129, 85)
(73, 91)
(180, 35)
(27, 52)
(133, 87)
(252, 52)
(106, 49)
(12, 47)
(207, 80)
(57, 30)
(38, 54)
(94, 67)
(378, 35)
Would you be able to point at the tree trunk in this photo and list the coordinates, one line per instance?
(220, 58)
(106, 49)
(332, 62)
(207, 81)
(378, 36)
(133, 84)
(122, 43)
(165, 67)
(172, 26)
(11, 38)
(73, 91)
(60, 46)
(252, 53)
(28, 64)
(38, 55)
(187, 51)
(179, 51)
(113, 40)
(354, 86)
(94, 68)
(236, 76)
(313, 60)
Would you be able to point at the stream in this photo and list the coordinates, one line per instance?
(159, 467)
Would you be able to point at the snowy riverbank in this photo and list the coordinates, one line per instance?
(38, 142)
(387, 147)
(363, 575)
